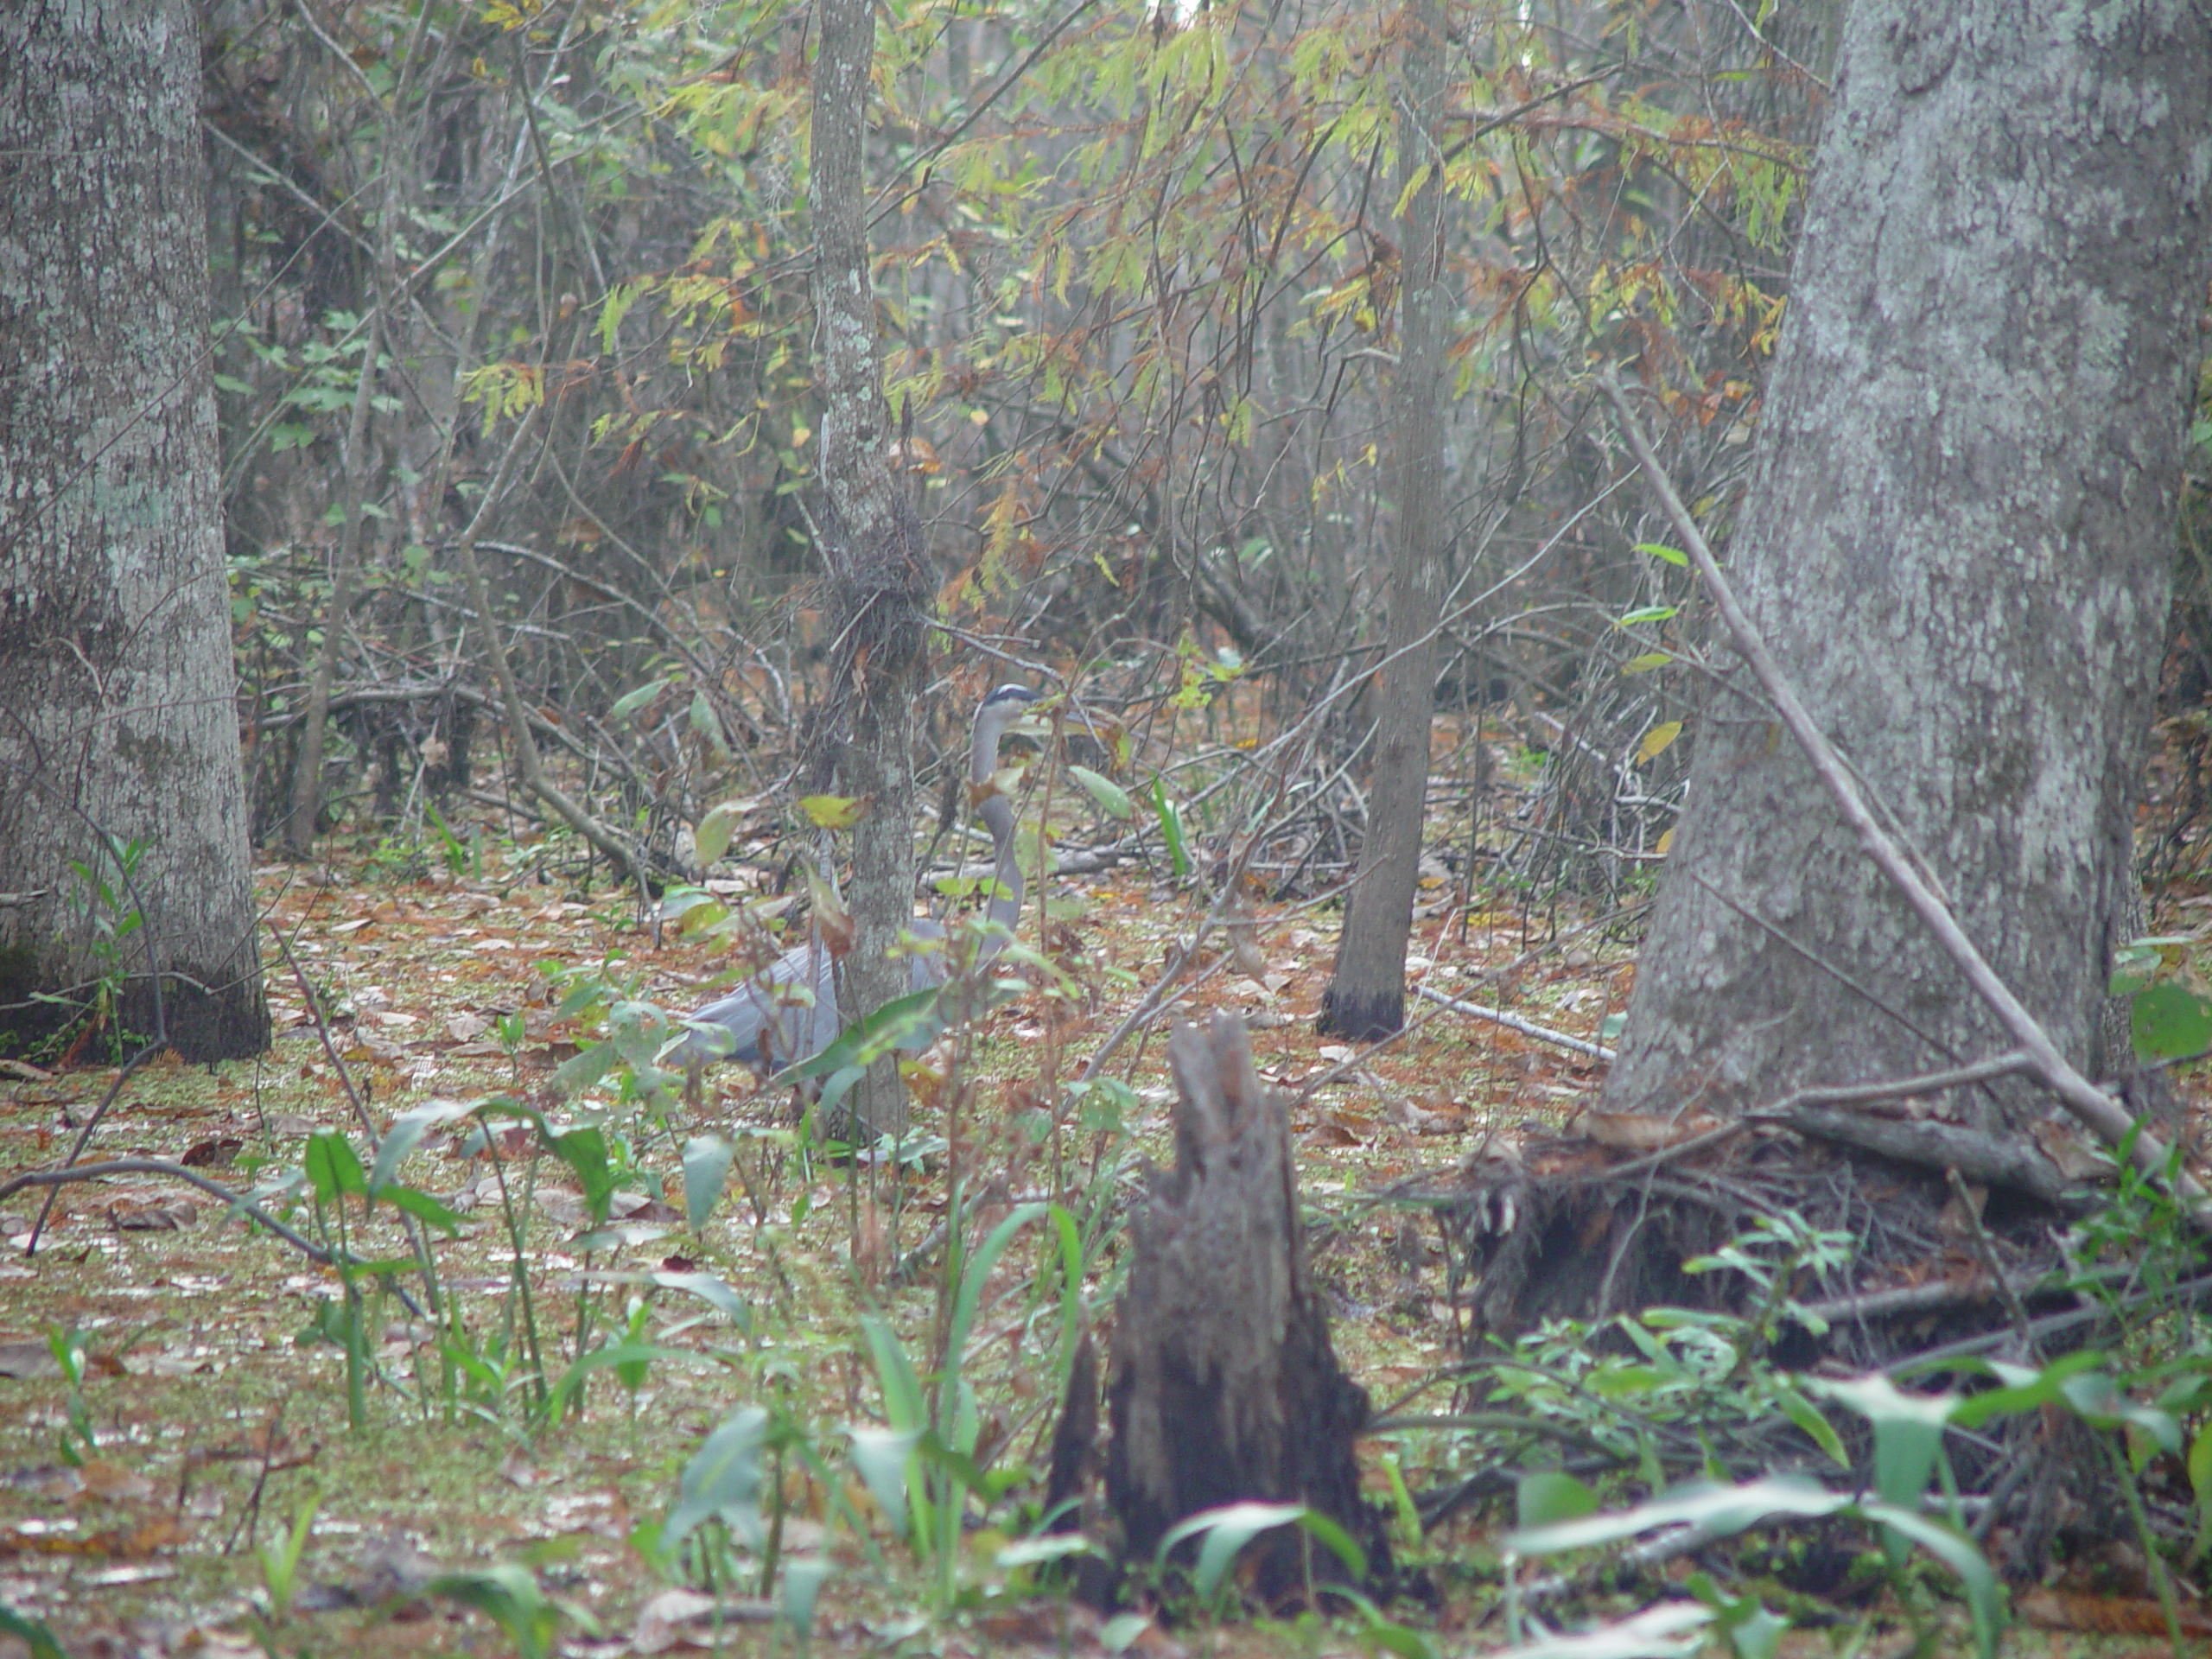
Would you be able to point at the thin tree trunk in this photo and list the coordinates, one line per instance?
(117, 698)
(1366, 994)
(1957, 543)
(872, 548)
(307, 770)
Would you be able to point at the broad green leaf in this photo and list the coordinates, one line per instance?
(2200, 1481)
(975, 1274)
(1647, 661)
(706, 1169)
(1804, 1412)
(1118, 1632)
(1112, 799)
(406, 1132)
(1664, 554)
(333, 1167)
(583, 1149)
(882, 1456)
(1908, 1430)
(722, 1481)
(1044, 1547)
(508, 1595)
(2022, 1388)
(708, 725)
(1723, 1509)
(630, 701)
(423, 1208)
(2170, 1021)
(708, 1289)
(711, 839)
(910, 1021)
(894, 1373)
(626, 1358)
(834, 812)
(2103, 1404)
(1545, 1496)
(584, 1069)
(1985, 1598)
(1171, 828)
(1227, 1530)
(1341, 1544)
(803, 1581)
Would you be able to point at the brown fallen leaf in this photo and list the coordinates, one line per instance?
(1632, 1131)
(2058, 1610)
(218, 1153)
(111, 1482)
(686, 1619)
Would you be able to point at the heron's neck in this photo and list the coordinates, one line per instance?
(997, 813)
(1006, 902)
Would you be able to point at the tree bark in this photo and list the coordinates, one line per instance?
(1223, 1386)
(117, 714)
(872, 547)
(1957, 542)
(1366, 996)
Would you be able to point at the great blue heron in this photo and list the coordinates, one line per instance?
(770, 1024)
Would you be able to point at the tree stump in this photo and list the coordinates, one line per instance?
(1222, 1386)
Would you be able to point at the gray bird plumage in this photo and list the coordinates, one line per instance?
(770, 1028)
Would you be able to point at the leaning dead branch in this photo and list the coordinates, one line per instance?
(2096, 1109)
(214, 1189)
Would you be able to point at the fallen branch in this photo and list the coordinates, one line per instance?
(1994, 1161)
(1514, 1023)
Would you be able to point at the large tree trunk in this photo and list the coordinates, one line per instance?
(1957, 539)
(1366, 995)
(116, 690)
(873, 550)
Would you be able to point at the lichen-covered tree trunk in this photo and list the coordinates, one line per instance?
(873, 549)
(1366, 995)
(118, 716)
(1957, 539)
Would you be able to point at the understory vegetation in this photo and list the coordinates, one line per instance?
(525, 1335)
(466, 1319)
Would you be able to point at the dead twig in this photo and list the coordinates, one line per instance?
(214, 1189)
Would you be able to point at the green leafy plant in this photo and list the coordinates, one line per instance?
(1725, 1510)
(77, 1439)
(280, 1560)
(102, 898)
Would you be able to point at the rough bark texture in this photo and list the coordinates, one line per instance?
(1957, 540)
(873, 550)
(1222, 1385)
(117, 710)
(1366, 994)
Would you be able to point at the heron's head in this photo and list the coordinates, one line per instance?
(1000, 709)
(992, 715)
